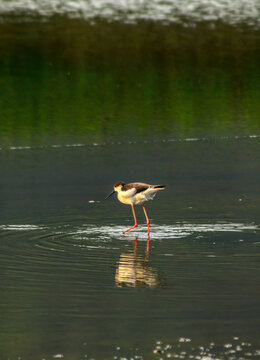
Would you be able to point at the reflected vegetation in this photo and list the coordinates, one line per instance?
(133, 269)
(67, 81)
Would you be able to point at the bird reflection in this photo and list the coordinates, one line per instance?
(133, 270)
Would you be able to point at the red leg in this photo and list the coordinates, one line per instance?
(147, 220)
(135, 225)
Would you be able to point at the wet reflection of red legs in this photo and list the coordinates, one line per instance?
(135, 248)
(136, 245)
(148, 245)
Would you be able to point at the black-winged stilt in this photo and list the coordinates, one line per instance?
(135, 194)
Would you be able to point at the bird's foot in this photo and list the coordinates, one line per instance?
(130, 228)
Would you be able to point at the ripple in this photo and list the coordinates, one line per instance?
(179, 230)
(85, 231)
(85, 274)
(36, 246)
(52, 244)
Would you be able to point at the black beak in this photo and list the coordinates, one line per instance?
(110, 194)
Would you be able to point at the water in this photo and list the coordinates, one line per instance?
(73, 285)
(85, 105)
(79, 289)
(178, 11)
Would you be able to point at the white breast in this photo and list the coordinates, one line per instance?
(125, 197)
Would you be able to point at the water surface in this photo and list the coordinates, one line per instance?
(85, 105)
(73, 285)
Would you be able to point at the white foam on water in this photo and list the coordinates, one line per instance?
(179, 230)
(76, 145)
(20, 147)
(186, 350)
(178, 11)
(25, 227)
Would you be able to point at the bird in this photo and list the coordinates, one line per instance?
(136, 194)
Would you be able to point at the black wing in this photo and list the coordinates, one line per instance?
(139, 187)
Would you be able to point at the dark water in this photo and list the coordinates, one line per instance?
(84, 106)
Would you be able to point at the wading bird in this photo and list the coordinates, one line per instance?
(135, 194)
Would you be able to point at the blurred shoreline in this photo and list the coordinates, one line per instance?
(185, 12)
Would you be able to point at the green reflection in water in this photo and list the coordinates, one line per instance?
(68, 81)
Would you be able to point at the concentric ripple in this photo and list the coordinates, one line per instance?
(179, 230)
(74, 279)
(52, 244)
(90, 231)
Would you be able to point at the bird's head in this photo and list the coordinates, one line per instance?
(117, 187)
